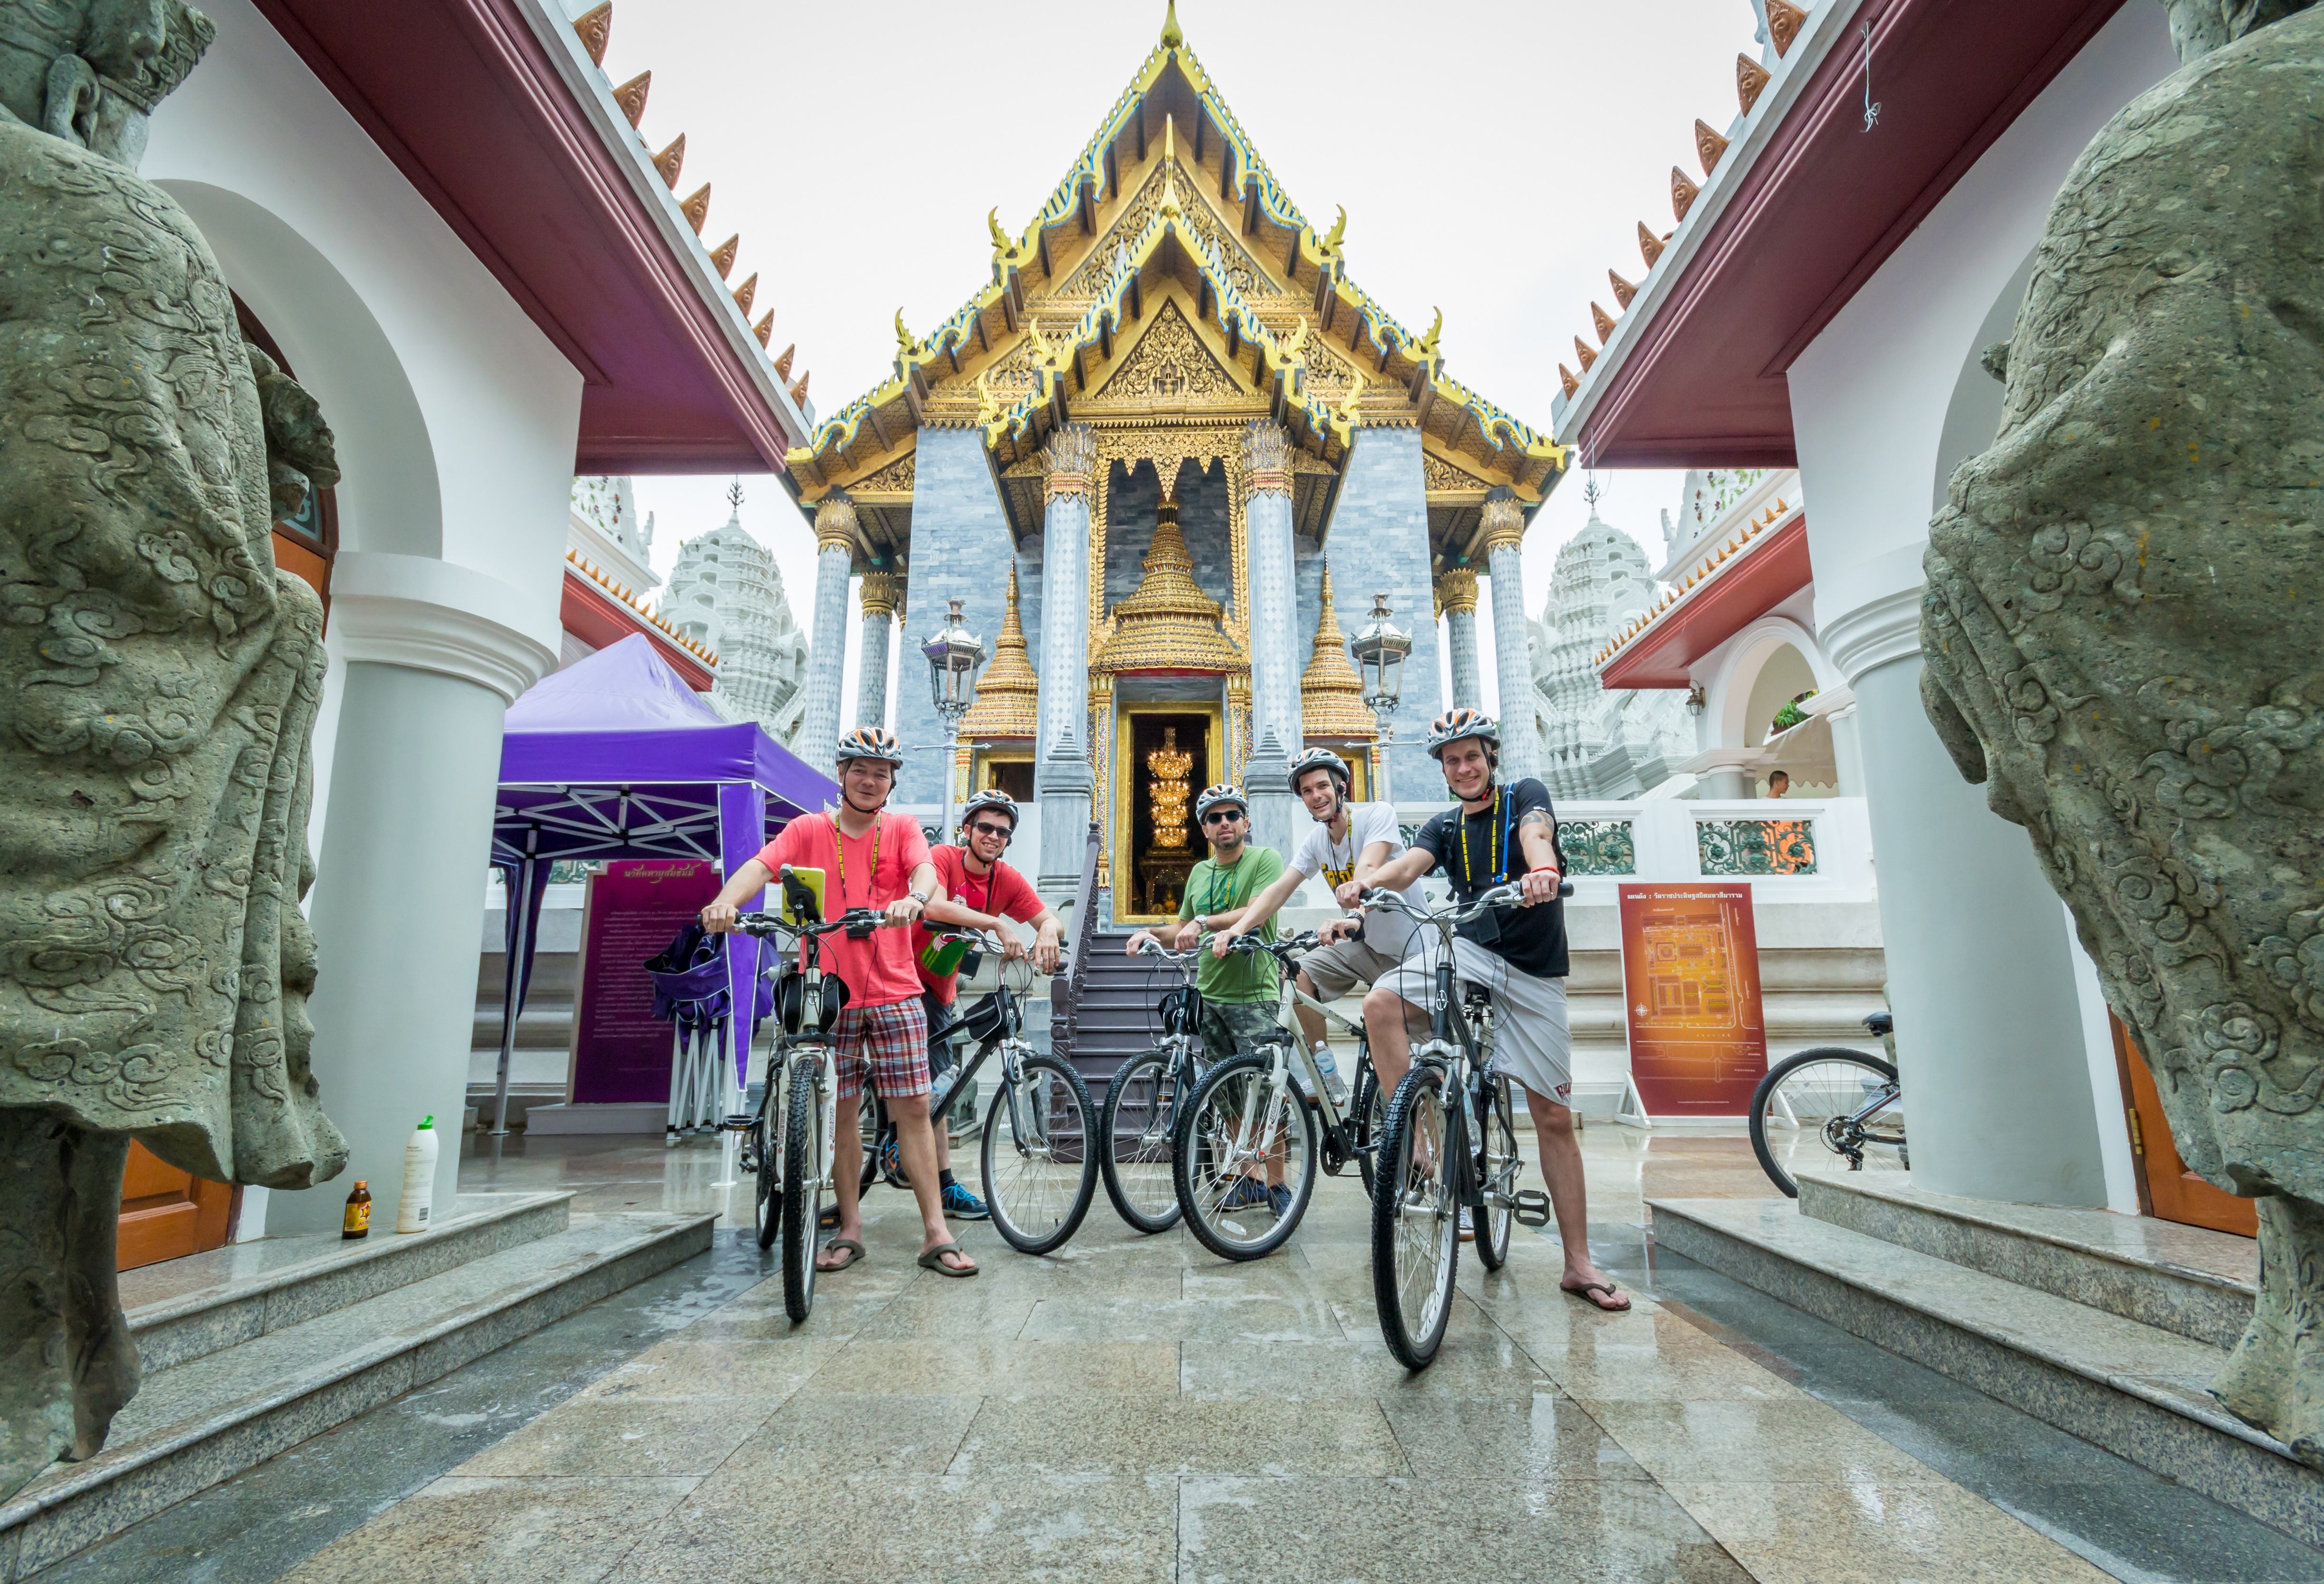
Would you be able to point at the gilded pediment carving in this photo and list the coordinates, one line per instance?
(1169, 365)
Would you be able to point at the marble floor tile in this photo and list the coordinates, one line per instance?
(1005, 1369)
(1609, 1532)
(994, 1313)
(818, 1431)
(1538, 1438)
(1257, 1319)
(472, 1530)
(833, 1319)
(1794, 1438)
(1181, 1435)
(721, 1368)
(1488, 1367)
(1876, 1533)
(627, 1436)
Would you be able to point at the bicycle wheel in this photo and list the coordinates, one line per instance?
(1236, 1127)
(1831, 1106)
(1367, 1112)
(803, 1153)
(1039, 1168)
(767, 1194)
(1415, 1226)
(1136, 1126)
(1497, 1163)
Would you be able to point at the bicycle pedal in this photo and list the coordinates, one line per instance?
(1530, 1206)
(740, 1122)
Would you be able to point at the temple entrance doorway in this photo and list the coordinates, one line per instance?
(1168, 752)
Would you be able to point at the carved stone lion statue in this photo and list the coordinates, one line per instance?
(2123, 626)
(159, 679)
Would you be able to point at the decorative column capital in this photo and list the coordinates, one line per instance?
(1456, 592)
(1266, 458)
(882, 594)
(1504, 524)
(1071, 458)
(835, 524)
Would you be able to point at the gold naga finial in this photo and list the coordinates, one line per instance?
(1346, 411)
(1298, 342)
(904, 342)
(992, 224)
(987, 405)
(1427, 344)
(1171, 36)
(1339, 230)
(1044, 349)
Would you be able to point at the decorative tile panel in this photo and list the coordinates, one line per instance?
(1597, 846)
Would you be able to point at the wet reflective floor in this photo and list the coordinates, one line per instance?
(1133, 1409)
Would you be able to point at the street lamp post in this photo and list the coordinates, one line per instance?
(954, 656)
(1379, 649)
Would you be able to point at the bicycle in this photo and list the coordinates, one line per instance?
(1040, 1169)
(1253, 1108)
(1138, 1120)
(1848, 1102)
(1449, 1144)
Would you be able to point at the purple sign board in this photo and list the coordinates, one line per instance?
(620, 1053)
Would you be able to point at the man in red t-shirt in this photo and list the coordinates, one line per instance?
(868, 859)
(979, 892)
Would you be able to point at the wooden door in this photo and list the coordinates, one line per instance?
(166, 1213)
(2166, 1188)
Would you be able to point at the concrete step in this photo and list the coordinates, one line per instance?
(181, 1310)
(209, 1418)
(2185, 1279)
(2138, 1390)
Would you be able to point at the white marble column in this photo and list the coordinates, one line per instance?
(881, 596)
(1274, 634)
(426, 656)
(826, 653)
(1505, 528)
(1456, 597)
(1061, 772)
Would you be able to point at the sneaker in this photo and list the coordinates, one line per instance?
(1248, 1194)
(891, 1165)
(1278, 1200)
(1468, 1233)
(961, 1205)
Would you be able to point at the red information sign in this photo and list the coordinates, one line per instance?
(1690, 974)
(620, 1053)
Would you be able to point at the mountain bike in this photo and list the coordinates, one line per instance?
(1137, 1121)
(1832, 1104)
(1256, 1115)
(1449, 1144)
(1037, 1154)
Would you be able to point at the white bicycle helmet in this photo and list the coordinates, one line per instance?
(1321, 758)
(1462, 722)
(1211, 797)
(870, 743)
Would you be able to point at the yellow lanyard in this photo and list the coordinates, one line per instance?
(1468, 870)
(839, 848)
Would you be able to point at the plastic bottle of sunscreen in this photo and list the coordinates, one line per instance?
(419, 1178)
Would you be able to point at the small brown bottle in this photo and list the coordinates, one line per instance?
(357, 1223)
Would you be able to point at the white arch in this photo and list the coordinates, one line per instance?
(1747, 654)
(389, 497)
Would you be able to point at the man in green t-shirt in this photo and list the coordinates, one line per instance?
(1241, 993)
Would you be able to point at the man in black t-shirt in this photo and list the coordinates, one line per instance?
(1498, 835)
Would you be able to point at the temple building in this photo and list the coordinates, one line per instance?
(726, 594)
(1162, 414)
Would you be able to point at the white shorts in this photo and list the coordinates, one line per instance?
(1532, 1044)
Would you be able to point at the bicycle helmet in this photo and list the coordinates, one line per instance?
(1462, 722)
(1212, 796)
(870, 743)
(1320, 759)
(992, 798)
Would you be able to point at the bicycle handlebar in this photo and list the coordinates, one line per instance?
(1505, 895)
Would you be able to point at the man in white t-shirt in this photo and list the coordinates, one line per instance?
(1360, 947)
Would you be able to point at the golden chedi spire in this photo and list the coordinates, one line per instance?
(1330, 695)
(1008, 693)
(1169, 623)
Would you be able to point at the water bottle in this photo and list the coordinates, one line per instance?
(419, 1178)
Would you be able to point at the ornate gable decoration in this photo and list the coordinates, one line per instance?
(1170, 364)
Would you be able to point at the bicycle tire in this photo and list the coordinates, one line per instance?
(1495, 1227)
(1079, 1132)
(1367, 1111)
(1144, 1214)
(1194, 1165)
(767, 1205)
(1773, 1081)
(802, 1192)
(1415, 1337)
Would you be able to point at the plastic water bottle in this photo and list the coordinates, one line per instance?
(412, 1208)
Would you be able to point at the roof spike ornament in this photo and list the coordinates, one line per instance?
(1750, 80)
(1426, 348)
(632, 97)
(904, 342)
(696, 209)
(1784, 21)
(1649, 245)
(1708, 145)
(1683, 193)
(799, 391)
(595, 30)
(1602, 322)
(743, 293)
(671, 160)
(1172, 37)
(765, 328)
(1565, 377)
(1582, 350)
(1339, 231)
(783, 364)
(1623, 290)
(722, 257)
(999, 237)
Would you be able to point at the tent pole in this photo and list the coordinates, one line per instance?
(512, 994)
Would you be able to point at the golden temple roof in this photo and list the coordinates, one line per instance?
(1169, 623)
(1008, 693)
(1331, 694)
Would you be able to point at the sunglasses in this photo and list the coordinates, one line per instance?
(986, 828)
(1222, 817)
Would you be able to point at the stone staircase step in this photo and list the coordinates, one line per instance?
(2137, 1390)
(181, 1310)
(209, 1418)
(2197, 1283)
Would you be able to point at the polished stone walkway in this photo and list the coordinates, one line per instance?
(1136, 1410)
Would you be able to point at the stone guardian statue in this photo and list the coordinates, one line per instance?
(159, 680)
(2123, 626)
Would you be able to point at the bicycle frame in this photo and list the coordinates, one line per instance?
(1008, 1040)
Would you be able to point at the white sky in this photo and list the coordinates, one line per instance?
(1495, 157)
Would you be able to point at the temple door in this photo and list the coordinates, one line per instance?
(166, 1213)
(2166, 1188)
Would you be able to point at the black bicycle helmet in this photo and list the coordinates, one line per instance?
(992, 798)
(1458, 723)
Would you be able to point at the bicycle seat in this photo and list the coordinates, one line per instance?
(1881, 1024)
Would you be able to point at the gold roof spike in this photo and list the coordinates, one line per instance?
(632, 97)
(1784, 24)
(595, 28)
(1172, 37)
(1009, 694)
(1649, 245)
(670, 160)
(1683, 193)
(1602, 322)
(722, 257)
(1708, 145)
(696, 209)
(1168, 624)
(1623, 290)
(1330, 695)
(1750, 79)
(1565, 378)
(765, 328)
(1582, 350)
(743, 293)
(783, 364)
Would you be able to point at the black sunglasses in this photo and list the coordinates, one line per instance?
(986, 828)
(1217, 814)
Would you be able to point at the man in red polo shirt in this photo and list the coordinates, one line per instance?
(868, 859)
(979, 892)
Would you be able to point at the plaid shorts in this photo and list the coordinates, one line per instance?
(890, 1042)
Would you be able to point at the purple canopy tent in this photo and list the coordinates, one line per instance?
(614, 757)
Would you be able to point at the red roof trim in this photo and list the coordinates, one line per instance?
(600, 621)
(1769, 574)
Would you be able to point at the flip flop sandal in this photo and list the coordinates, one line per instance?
(1586, 1288)
(934, 1260)
(832, 1246)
